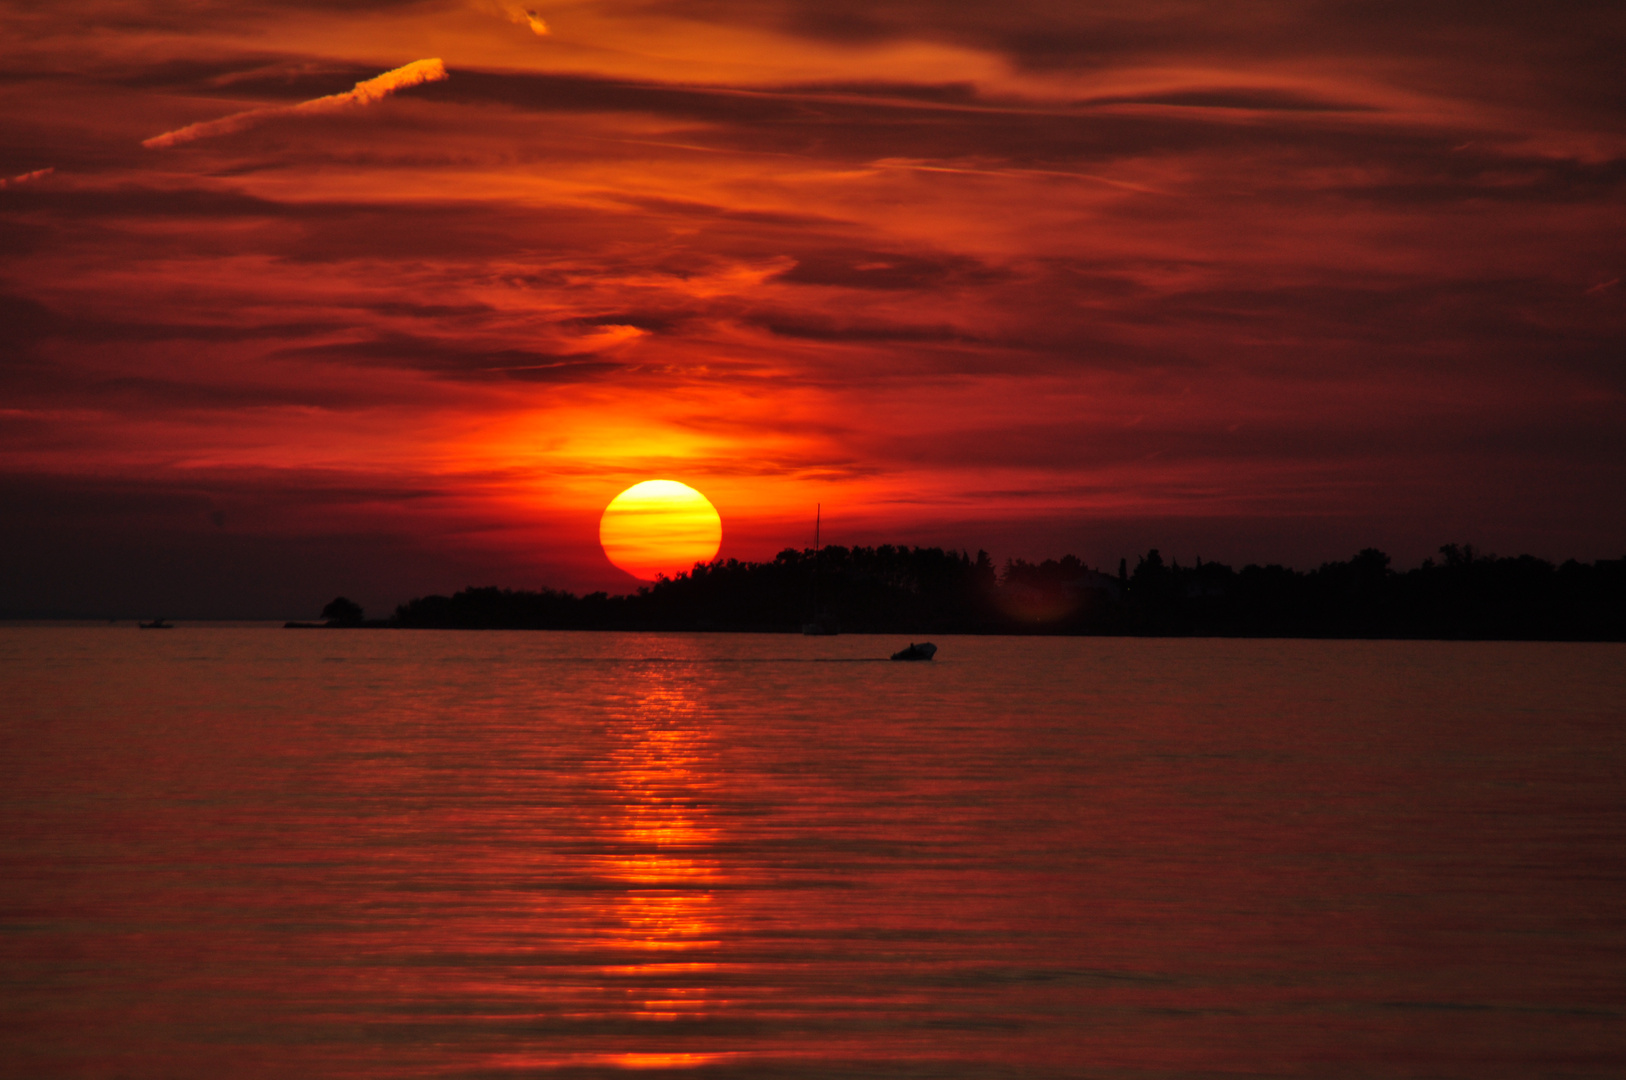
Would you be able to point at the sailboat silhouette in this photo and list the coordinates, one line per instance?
(822, 624)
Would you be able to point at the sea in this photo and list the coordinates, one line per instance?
(238, 851)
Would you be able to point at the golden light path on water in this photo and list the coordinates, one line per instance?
(662, 928)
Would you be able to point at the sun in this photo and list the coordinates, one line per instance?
(659, 527)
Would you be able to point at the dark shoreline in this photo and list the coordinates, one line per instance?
(920, 632)
(1466, 596)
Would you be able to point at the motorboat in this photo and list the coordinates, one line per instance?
(925, 650)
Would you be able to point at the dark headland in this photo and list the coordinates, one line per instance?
(913, 590)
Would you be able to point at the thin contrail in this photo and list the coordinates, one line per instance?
(375, 89)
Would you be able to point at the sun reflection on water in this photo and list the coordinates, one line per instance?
(668, 905)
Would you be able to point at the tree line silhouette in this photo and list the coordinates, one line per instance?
(916, 590)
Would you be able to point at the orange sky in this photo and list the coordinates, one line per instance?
(1256, 282)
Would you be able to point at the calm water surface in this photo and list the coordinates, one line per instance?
(251, 853)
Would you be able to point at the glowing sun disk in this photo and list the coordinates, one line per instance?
(659, 527)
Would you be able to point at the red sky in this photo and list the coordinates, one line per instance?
(1256, 282)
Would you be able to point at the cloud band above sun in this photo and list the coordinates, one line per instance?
(364, 93)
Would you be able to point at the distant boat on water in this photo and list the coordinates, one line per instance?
(923, 651)
(156, 624)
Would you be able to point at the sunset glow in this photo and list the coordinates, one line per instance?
(392, 298)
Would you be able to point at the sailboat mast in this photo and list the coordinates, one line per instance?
(819, 623)
(818, 519)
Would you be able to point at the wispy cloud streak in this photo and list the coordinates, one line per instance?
(28, 177)
(365, 93)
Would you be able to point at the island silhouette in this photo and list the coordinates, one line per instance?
(920, 590)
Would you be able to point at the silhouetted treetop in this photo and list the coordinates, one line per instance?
(342, 611)
(897, 588)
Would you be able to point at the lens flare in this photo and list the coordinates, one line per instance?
(659, 527)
